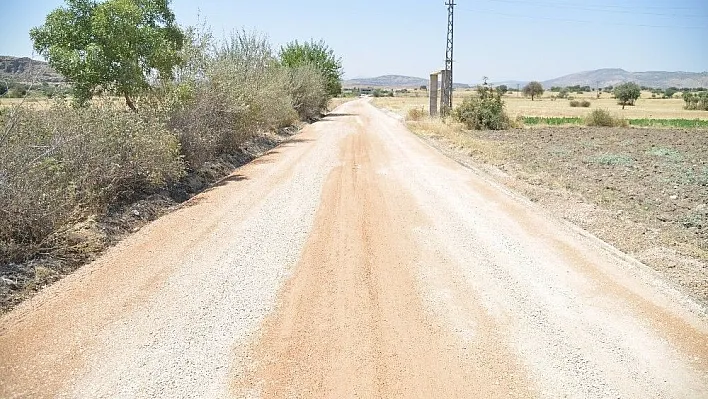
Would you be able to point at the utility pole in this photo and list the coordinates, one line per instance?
(447, 74)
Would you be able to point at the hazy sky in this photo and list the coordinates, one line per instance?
(501, 39)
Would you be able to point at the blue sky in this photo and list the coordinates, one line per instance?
(501, 39)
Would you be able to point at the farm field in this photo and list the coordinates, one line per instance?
(642, 190)
(645, 108)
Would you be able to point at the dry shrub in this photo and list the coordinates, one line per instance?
(603, 118)
(575, 103)
(585, 103)
(60, 164)
(239, 92)
(307, 89)
(483, 111)
(416, 114)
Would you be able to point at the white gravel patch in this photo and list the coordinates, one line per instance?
(181, 343)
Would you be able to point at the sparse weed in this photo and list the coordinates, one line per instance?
(610, 159)
(665, 152)
(416, 114)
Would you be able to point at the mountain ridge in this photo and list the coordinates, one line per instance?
(612, 76)
(24, 69)
(599, 77)
(397, 81)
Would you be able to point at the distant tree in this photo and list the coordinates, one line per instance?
(424, 88)
(502, 89)
(563, 93)
(533, 89)
(116, 45)
(669, 93)
(627, 93)
(321, 56)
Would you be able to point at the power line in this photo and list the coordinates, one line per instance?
(599, 7)
(604, 8)
(479, 10)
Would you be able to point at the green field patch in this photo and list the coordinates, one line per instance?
(552, 121)
(644, 122)
(682, 123)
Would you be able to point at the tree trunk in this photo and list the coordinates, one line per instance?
(129, 102)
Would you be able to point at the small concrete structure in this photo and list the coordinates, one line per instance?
(445, 95)
(433, 90)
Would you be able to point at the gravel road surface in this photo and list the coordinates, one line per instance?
(356, 261)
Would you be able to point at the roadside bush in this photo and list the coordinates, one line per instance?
(243, 91)
(484, 111)
(416, 114)
(575, 103)
(62, 164)
(603, 118)
(307, 89)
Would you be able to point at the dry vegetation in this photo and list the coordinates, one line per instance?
(73, 180)
(643, 190)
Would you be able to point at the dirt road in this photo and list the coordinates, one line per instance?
(357, 261)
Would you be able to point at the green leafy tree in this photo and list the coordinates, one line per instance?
(115, 45)
(669, 93)
(533, 89)
(627, 93)
(502, 89)
(295, 54)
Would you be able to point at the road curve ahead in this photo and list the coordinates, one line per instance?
(356, 261)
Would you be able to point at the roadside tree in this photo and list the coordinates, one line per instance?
(116, 45)
(318, 54)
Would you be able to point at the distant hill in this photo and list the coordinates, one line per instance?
(393, 81)
(512, 84)
(27, 70)
(614, 76)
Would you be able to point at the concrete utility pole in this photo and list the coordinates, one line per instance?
(446, 97)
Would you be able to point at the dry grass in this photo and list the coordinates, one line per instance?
(455, 135)
(34, 102)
